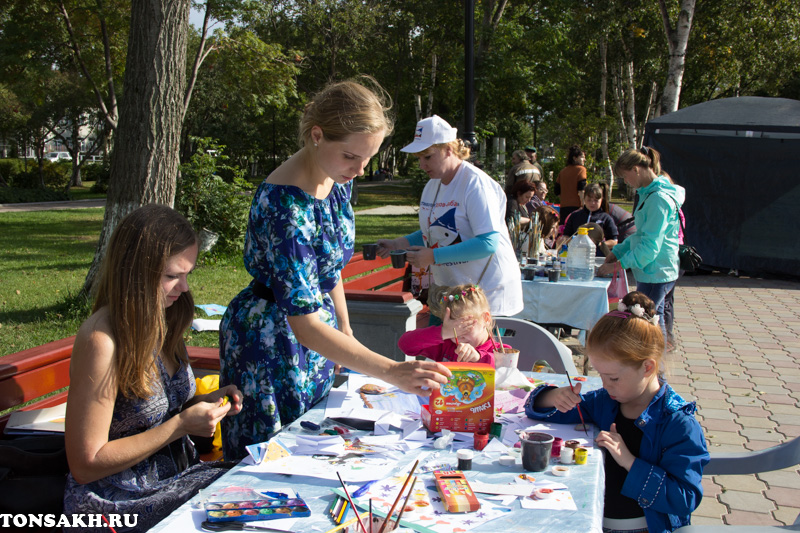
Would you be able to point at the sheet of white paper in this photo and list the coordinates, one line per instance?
(511, 489)
(419, 435)
(381, 440)
(353, 470)
(507, 501)
(381, 428)
(416, 444)
(507, 378)
(410, 426)
(523, 423)
(336, 398)
(561, 501)
(546, 484)
(495, 446)
(318, 445)
(205, 324)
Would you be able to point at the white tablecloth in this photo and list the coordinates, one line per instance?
(578, 304)
(586, 486)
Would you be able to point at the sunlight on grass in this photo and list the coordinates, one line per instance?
(46, 254)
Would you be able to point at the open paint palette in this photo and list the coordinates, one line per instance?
(245, 505)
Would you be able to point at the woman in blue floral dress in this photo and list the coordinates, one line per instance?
(281, 336)
(132, 400)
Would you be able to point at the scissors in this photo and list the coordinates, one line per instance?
(238, 526)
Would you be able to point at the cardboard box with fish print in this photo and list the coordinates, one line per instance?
(465, 403)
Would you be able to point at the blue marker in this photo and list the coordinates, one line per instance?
(311, 426)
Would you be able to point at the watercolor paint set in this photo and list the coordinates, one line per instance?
(241, 504)
(465, 403)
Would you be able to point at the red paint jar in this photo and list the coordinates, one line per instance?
(557, 443)
(481, 440)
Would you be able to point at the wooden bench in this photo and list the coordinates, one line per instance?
(33, 373)
(380, 305)
(36, 372)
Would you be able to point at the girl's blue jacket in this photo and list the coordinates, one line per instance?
(665, 478)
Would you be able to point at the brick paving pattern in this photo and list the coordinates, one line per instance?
(738, 357)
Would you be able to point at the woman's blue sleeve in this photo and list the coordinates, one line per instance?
(477, 247)
(415, 239)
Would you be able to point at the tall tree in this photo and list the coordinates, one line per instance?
(144, 165)
(677, 40)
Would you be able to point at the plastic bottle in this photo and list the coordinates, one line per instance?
(580, 258)
(562, 257)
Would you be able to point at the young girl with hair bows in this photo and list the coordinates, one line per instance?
(464, 333)
(654, 447)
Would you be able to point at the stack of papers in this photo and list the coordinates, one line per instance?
(48, 420)
(319, 445)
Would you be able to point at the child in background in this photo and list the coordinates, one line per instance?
(465, 313)
(654, 447)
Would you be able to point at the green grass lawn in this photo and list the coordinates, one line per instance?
(84, 192)
(384, 193)
(44, 257)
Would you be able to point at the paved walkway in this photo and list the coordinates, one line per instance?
(47, 206)
(739, 358)
(390, 210)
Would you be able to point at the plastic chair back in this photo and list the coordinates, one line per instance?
(535, 343)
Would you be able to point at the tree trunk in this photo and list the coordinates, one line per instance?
(434, 65)
(618, 98)
(602, 103)
(677, 41)
(630, 104)
(652, 101)
(144, 164)
(75, 179)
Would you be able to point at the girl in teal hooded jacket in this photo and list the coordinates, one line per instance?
(652, 252)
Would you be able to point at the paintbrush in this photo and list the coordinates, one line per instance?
(403, 510)
(580, 414)
(344, 488)
(399, 494)
(370, 515)
(500, 339)
(455, 334)
(494, 345)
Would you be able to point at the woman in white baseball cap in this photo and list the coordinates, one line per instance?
(463, 237)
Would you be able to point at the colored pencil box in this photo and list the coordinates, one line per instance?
(241, 504)
(457, 495)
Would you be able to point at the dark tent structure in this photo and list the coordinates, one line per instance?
(739, 160)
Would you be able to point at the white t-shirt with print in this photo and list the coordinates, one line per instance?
(472, 204)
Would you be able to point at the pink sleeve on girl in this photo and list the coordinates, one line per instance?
(427, 342)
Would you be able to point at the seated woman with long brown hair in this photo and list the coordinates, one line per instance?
(132, 401)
